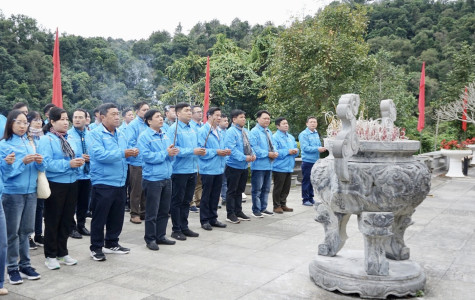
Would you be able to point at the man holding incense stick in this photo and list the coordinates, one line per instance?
(211, 169)
(184, 171)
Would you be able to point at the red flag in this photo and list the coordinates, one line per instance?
(464, 115)
(57, 91)
(206, 102)
(422, 100)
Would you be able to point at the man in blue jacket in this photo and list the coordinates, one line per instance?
(77, 135)
(108, 152)
(261, 169)
(283, 166)
(311, 147)
(211, 169)
(137, 197)
(185, 167)
(237, 140)
(157, 154)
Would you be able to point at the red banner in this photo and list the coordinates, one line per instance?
(57, 90)
(422, 99)
(464, 115)
(206, 102)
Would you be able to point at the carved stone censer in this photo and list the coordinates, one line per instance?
(382, 183)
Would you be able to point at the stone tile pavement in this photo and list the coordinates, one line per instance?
(264, 258)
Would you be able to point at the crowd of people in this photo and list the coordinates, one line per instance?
(155, 166)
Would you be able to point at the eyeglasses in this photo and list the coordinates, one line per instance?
(18, 122)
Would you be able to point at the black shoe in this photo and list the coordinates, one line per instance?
(142, 217)
(127, 209)
(89, 214)
(83, 231)
(98, 255)
(166, 241)
(219, 206)
(219, 225)
(267, 213)
(152, 246)
(39, 240)
(75, 234)
(206, 226)
(233, 219)
(116, 250)
(178, 236)
(241, 216)
(190, 233)
(33, 245)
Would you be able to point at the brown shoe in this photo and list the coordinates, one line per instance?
(278, 210)
(135, 220)
(288, 209)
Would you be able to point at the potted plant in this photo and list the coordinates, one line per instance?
(455, 151)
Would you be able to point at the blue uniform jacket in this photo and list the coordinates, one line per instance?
(211, 163)
(134, 129)
(74, 138)
(260, 146)
(22, 178)
(233, 141)
(186, 140)
(283, 142)
(58, 168)
(156, 164)
(309, 144)
(107, 152)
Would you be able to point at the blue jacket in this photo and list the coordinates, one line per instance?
(156, 164)
(186, 140)
(195, 125)
(107, 152)
(3, 122)
(75, 138)
(58, 168)
(233, 141)
(123, 126)
(309, 144)
(22, 178)
(211, 163)
(134, 129)
(5, 170)
(260, 146)
(283, 142)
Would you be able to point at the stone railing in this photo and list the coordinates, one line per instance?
(435, 161)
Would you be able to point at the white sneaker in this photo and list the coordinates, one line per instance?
(244, 196)
(52, 263)
(67, 260)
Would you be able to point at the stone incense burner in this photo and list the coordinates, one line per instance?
(381, 183)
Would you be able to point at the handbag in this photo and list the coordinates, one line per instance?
(42, 186)
(43, 190)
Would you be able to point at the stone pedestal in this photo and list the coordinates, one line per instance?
(345, 273)
(472, 148)
(455, 161)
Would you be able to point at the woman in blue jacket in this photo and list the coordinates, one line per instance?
(62, 169)
(19, 196)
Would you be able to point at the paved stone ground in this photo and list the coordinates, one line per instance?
(264, 258)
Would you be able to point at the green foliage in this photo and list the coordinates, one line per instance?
(316, 61)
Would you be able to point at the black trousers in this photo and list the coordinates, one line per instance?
(158, 194)
(210, 198)
(281, 188)
(108, 204)
(59, 214)
(236, 180)
(84, 192)
(183, 188)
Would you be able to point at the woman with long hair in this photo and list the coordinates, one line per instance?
(35, 132)
(19, 196)
(62, 169)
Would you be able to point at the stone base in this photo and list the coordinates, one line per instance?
(345, 273)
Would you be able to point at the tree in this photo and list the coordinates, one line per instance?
(318, 60)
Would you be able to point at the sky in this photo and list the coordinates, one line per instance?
(134, 20)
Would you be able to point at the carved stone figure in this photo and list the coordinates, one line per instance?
(381, 183)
